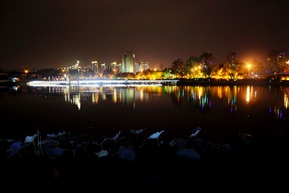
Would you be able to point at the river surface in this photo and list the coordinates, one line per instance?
(221, 111)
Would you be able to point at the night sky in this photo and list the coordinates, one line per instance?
(40, 34)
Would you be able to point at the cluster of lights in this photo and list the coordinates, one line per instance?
(98, 83)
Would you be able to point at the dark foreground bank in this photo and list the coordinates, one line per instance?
(134, 162)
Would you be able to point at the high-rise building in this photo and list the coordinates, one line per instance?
(115, 67)
(140, 66)
(127, 64)
(144, 66)
(94, 66)
(102, 68)
(137, 66)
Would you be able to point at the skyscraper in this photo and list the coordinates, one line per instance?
(127, 64)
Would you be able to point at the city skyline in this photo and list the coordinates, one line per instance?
(58, 33)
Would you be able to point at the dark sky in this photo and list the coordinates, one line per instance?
(57, 33)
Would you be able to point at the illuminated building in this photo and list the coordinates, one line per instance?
(94, 66)
(128, 62)
(140, 66)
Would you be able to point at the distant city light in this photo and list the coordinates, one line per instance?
(101, 83)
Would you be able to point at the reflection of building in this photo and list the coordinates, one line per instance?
(128, 62)
(128, 95)
(72, 97)
(141, 95)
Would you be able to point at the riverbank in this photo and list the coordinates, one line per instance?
(222, 82)
(169, 82)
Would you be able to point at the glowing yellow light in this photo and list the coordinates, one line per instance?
(249, 66)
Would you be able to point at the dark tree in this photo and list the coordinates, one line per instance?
(207, 61)
(231, 66)
(277, 61)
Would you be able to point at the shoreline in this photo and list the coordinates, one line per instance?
(231, 82)
(162, 82)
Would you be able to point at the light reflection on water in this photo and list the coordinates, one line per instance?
(158, 107)
(197, 96)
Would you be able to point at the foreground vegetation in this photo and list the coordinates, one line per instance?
(65, 161)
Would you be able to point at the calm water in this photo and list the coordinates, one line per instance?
(220, 111)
